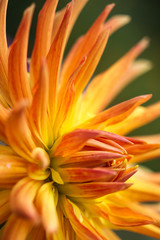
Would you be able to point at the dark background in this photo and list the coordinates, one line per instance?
(145, 22)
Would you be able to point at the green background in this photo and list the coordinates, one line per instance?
(145, 22)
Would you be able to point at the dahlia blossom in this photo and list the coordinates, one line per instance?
(66, 167)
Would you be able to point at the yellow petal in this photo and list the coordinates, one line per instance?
(46, 205)
(16, 228)
(17, 64)
(43, 37)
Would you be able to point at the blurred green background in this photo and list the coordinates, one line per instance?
(145, 22)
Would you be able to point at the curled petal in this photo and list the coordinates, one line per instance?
(24, 206)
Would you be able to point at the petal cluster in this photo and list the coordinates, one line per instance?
(66, 169)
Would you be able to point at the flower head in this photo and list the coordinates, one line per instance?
(66, 169)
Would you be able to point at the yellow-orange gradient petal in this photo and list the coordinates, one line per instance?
(107, 81)
(78, 221)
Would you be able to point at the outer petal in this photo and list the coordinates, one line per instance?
(17, 66)
(16, 228)
(39, 107)
(107, 81)
(115, 114)
(43, 37)
(3, 52)
(46, 205)
(37, 233)
(77, 7)
(54, 59)
(83, 47)
(140, 117)
(120, 216)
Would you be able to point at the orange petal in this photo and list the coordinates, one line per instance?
(46, 205)
(140, 117)
(148, 230)
(54, 59)
(17, 117)
(3, 117)
(12, 169)
(92, 190)
(110, 81)
(24, 207)
(16, 228)
(39, 107)
(115, 114)
(43, 37)
(37, 233)
(86, 174)
(3, 52)
(72, 142)
(17, 66)
(146, 156)
(83, 47)
(4, 205)
(77, 7)
(117, 22)
(79, 222)
(89, 158)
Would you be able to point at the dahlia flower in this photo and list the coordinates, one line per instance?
(66, 167)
